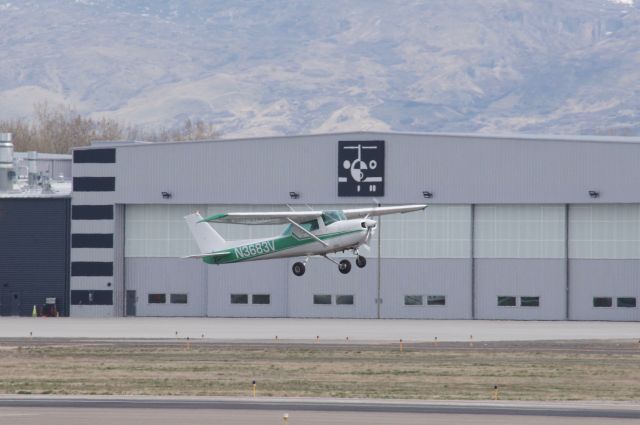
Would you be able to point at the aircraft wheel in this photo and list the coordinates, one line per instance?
(298, 268)
(344, 266)
(361, 261)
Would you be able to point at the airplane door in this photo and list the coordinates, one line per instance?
(131, 303)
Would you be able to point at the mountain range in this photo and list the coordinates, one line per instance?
(259, 68)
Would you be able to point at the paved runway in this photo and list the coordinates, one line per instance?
(264, 329)
(159, 411)
(96, 416)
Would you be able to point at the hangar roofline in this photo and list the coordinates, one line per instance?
(483, 136)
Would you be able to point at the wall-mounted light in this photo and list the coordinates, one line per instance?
(294, 195)
(427, 194)
(166, 195)
(594, 194)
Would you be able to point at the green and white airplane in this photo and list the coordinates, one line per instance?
(309, 233)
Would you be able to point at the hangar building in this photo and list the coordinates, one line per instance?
(34, 231)
(522, 227)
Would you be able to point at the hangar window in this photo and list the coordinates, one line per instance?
(413, 300)
(157, 298)
(97, 297)
(530, 301)
(344, 299)
(602, 302)
(178, 298)
(322, 299)
(436, 300)
(626, 302)
(261, 299)
(239, 299)
(506, 301)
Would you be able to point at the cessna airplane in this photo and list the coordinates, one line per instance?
(309, 233)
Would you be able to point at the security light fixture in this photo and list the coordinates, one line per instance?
(594, 194)
(166, 195)
(294, 195)
(427, 194)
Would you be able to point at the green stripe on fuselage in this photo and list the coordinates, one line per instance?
(213, 217)
(257, 249)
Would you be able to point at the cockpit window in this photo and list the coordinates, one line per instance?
(332, 216)
(310, 225)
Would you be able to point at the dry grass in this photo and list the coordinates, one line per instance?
(522, 373)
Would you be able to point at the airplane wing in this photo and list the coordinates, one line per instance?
(279, 217)
(374, 211)
(213, 254)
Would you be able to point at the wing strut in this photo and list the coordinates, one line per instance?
(307, 232)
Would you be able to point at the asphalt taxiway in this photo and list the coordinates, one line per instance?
(267, 329)
(21, 410)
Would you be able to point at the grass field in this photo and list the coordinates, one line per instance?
(522, 371)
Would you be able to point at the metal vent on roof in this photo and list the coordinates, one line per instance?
(7, 172)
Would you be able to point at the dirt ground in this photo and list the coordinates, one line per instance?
(577, 370)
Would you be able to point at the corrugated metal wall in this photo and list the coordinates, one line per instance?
(55, 167)
(167, 276)
(456, 169)
(34, 254)
(118, 260)
(544, 278)
(253, 278)
(90, 175)
(448, 277)
(603, 278)
(323, 278)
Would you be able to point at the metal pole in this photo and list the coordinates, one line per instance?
(566, 260)
(378, 300)
(473, 260)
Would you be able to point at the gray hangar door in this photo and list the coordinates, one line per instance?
(34, 254)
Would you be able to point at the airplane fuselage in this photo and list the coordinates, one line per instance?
(338, 236)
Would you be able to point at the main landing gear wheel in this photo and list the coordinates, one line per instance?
(344, 266)
(361, 261)
(298, 268)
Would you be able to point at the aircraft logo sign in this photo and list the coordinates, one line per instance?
(361, 168)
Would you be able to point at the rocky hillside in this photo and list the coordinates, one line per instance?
(283, 67)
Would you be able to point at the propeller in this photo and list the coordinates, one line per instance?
(370, 232)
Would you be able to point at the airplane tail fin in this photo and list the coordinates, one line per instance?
(206, 237)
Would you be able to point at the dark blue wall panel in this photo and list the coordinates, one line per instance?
(94, 156)
(92, 212)
(92, 268)
(94, 184)
(34, 254)
(92, 240)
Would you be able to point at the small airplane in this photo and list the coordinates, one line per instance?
(309, 233)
